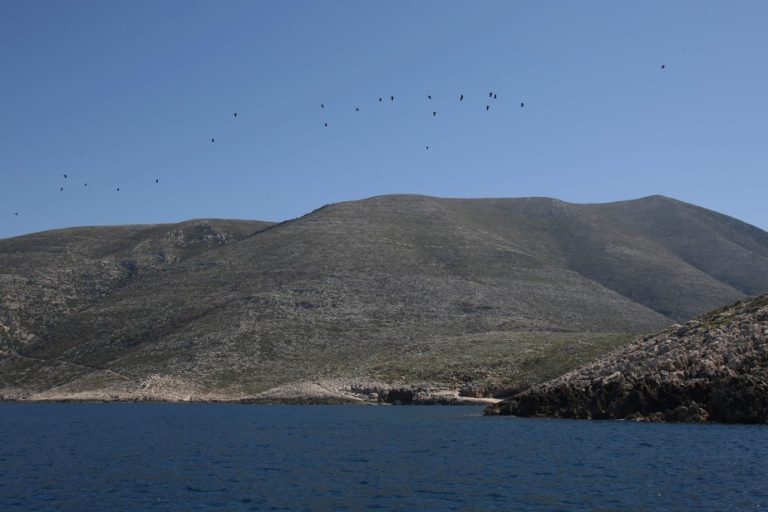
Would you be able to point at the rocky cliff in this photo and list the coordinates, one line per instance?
(714, 368)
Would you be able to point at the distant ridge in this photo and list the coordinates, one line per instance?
(476, 294)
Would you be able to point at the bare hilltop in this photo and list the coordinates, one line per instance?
(392, 297)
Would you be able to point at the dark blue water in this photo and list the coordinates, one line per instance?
(82, 457)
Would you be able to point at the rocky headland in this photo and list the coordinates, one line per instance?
(714, 368)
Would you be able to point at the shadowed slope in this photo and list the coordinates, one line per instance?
(717, 256)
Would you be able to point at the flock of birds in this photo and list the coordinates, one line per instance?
(85, 185)
(491, 96)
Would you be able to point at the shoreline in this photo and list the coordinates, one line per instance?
(254, 401)
(160, 389)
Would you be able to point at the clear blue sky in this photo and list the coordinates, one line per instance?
(117, 94)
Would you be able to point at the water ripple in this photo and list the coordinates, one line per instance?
(81, 457)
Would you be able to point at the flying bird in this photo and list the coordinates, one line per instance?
(522, 105)
(429, 96)
(234, 114)
(16, 213)
(487, 107)
(490, 94)
(118, 189)
(326, 124)
(65, 176)
(85, 184)
(461, 98)
(61, 189)
(213, 140)
(663, 66)
(434, 114)
(157, 180)
(494, 95)
(380, 99)
(427, 147)
(391, 98)
(322, 105)
(357, 109)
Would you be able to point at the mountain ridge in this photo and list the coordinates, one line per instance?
(394, 288)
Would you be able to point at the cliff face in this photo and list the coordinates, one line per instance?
(714, 368)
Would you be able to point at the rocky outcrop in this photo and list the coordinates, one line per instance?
(365, 391)
(714, 368)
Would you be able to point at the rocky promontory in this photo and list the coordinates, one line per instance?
(714, 368)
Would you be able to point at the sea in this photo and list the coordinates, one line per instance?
(222, 457)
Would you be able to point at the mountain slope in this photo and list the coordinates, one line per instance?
(488, 291)
(46, 276)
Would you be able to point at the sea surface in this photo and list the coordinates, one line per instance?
(185, 457)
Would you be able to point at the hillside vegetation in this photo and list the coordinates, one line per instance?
(475, 294)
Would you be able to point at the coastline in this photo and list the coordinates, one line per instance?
(158, 389)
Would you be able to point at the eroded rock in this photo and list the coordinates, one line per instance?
(714, 368)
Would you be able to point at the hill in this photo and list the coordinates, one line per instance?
(478, 294)
(714, 368)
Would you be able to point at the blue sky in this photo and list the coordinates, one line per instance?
(118, 94)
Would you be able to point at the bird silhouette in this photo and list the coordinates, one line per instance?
(234, 114)
(322, 105)
(326, 124)
(213, 140)
(157, 180)
(16, 213)
(490, 94)
(357, 109)
(391, 98)
(429, 96)
(434, 114)
(61, 189)
(85, 184)
(494, 95)
(522, 105)
(487, 107)
(663, 66)
(118, 189)
(427, 147)
(461, 98)
(65, 176)
(380, 99)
